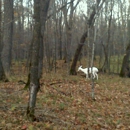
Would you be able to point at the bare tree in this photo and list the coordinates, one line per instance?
(93, 50)
(43, 18)
(34, 81)
(2, 73)
(68, 26)
(125, 69)
(90, 23)
(106, 65)
(8, 34)
(34, 68)
(60, 36)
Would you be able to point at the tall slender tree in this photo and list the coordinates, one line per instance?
(84, 36)
(8, 35)
(43, 18)
(2, 73)
(68, 28)
(34, 64)
(106, 65)
(34, 80)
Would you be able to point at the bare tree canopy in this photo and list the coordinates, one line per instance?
(90, 23)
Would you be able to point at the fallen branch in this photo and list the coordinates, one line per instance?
(54, 119)
(55, 83)
(66, 94)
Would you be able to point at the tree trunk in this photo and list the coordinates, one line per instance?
(77, 53)
(40, 14)
(2, 73)
(106, 62)
(8, 34)
(43, 16)
(34, 80)
(125, 69)
(106, 65)
(83, 37)
(60, 38)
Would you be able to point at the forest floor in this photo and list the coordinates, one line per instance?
(65, 103)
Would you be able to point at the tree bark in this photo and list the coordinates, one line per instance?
(2, 73)
(77, 53)
(40, 14)
(125, 69)
(60, 38)
(34, 80)
(8, 35)
(43, 17)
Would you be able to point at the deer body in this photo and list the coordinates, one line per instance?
(92, 71)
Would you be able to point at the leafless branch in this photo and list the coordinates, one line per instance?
(60, 8)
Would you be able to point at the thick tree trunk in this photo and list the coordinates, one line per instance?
(2, 73)
(43, 16)
(34, 80)
(8, 34)
(106, 62)
(83, 37)
(37, 46)
(77, 54)
(125, 69)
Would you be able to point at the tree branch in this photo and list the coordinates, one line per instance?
(48, 17)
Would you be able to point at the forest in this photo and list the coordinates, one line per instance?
(64, 64)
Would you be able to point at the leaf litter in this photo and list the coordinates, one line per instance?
(66, 104)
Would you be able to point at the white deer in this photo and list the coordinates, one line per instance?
(92, 70)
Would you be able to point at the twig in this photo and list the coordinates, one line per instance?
(55, 83)
(60, 9)
(61, 92)
(54, 119)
